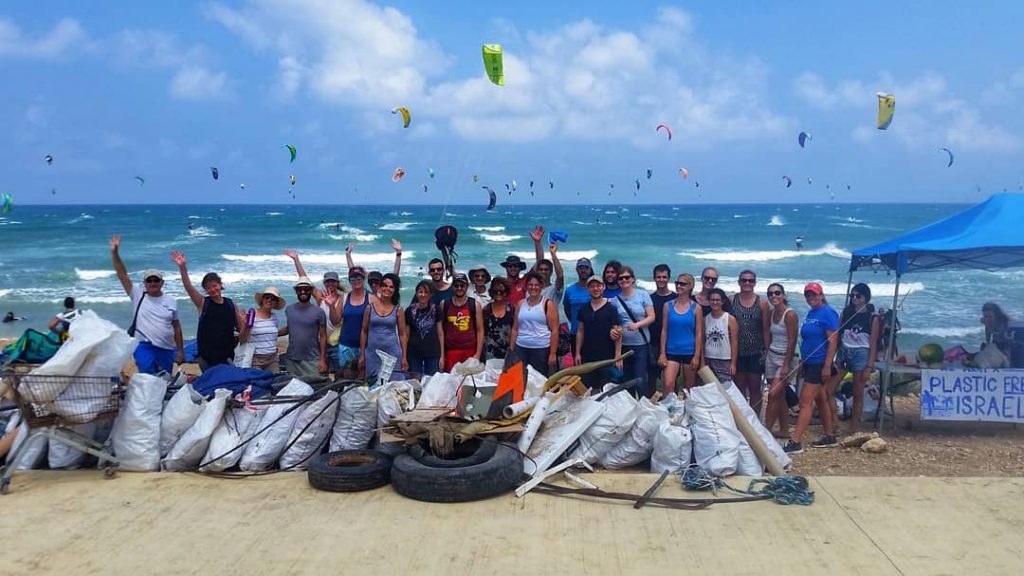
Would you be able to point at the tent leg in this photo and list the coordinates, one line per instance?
(886, 375)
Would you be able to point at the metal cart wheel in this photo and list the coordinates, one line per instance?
(109, 472)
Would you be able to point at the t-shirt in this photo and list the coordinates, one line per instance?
(659, 317)
(552, 293)
(304, 322)
(422, 326)
(597, 324)
(856, 331)
(497, 332)
(437, 296)
(575, 297)
(611, 293)
(517, 291)
(813, 333)
(65, 318)
(153, 323)
(637, 304)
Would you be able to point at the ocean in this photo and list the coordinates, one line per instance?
(55, 251)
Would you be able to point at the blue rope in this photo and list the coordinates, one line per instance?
(783, 489)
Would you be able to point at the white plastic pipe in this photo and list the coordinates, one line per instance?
(519, 408)
(540, 411)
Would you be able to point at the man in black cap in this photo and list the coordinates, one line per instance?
(514, 267)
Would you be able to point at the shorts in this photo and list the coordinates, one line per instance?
(680, 358)
(720, 366)
(812, 374)
(302, 368)
(348, 357)
(152, 360)
(266, 362)
(773, 363)
(750, 364)
(852, 359)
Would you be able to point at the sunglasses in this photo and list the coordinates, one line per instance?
(153, 280)
(625, 277)
(303, 289)
(775, 293)
(748, 281)
(808, 294)
(856, 295)
(710, 278)
(437, 269)
(357, 277)
(271, 296)
(682, 283)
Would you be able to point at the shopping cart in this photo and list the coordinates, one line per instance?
(51, 405)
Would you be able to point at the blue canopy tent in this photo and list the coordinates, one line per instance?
(987, 236)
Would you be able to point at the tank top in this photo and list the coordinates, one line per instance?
(459, 323)
(533, 325)
(749, 322)
(681, 339)
(779, 334)
(856, 327)
(352, 316)
(716, 337)
(263, 335)
(215, 335)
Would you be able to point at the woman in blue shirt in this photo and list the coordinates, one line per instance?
(817, 349)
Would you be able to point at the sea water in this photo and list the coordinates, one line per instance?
(50, 252)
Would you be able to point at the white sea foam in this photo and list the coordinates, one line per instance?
(776, 221)
(610, 212)
(450, 214)
(565, 256)
(582, 223)
(397, 225)
(328, 259)
(829, 249)
(202, 232)
(96, 299)
(273, 213)
(487, 228)
(357, 237)
(500, 237)
(80, 218)
(853, 225)
(93, 274)
(947, 332)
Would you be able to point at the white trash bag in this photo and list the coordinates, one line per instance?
(637, 446)
(33, 456)
(440, 391)
(310, 431)
(136, 433)
(62, 456)
(620, 414)
(357, 419)
(179, 415)
(265, 448)
(237, 426)
(188, 451)
(716, 440)
(769, 440)
(394, 399)
(672, 446)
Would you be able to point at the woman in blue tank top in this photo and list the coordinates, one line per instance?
(682, 336)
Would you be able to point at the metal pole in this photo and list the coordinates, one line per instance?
(886, 374)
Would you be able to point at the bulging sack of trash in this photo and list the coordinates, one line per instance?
(534, 383)
(716, 440)
(637, 446)
(237, 426)
(395, 398)
(357, 418)
(441, 391)
(33, 456)
(60, 456)
(617, 419)
(135, 437)
(187, 453)
(310, 431)
(672, 446)
(266, 447)
(179, 415)
(769, 440)
(493, 369)
(468, 367)
(84, 400)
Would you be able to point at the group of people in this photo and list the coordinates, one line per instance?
(745, 337)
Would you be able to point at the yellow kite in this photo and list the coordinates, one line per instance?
(886, 107)
(492, 63)
(406, 118)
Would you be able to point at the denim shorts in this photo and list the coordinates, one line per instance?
(852, 359)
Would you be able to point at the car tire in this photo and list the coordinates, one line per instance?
(467, 454)
(349, 471)
(497, 475)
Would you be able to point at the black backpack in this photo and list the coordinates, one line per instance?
(445, 238)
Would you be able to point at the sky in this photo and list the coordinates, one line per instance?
(164, 91)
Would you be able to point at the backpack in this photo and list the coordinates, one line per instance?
(445, 238)
(33, 347)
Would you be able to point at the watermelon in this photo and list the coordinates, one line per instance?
(930, 353)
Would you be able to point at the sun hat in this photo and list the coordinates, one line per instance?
(331, 276)
(460, 277)
(813, 287)
(595, 278)
(584, 262)
(151, 273)
(513, 261)
(480, 268)
(303, 281)
(357, 271)
(273, 291)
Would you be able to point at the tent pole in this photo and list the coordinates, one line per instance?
(890, 356)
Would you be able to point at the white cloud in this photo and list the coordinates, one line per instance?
(928, 112)
(582, 80)
(198, 83)
(193, 78)
(66, 36)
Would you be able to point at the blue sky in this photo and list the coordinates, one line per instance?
(165, 90)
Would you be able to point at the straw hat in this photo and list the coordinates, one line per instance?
(273, 292)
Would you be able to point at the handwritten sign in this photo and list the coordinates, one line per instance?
(972, 394)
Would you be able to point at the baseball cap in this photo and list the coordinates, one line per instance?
(331, 276)
(595, 278)
(584, 262)
(460, 277)
(374, 276)
(813, 287)
(303, 281)
(152, 272)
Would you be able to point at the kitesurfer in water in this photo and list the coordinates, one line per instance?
(799, 243)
